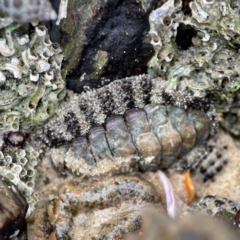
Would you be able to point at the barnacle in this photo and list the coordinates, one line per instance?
(31, 80)
(197, 53)
(221, 17)
(17, 163)
(31, 88)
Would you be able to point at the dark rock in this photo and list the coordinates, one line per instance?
(13, 208)
(15, 139)
(104, 39)
(185, 33)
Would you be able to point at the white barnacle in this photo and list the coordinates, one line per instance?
(34, 77)
(21, 153)
(58, 61)
(23, 40)
(224, 8)
(198, 12)
(47, 42)
(42, 66)
(156, 15)
(206, 37)
(46, 53)
(49, 76)
(25, 60)
(28, 57)
(156, 18)
(41, 32)
(169, 57)
(5, 50)
(156, 40)
(14, 67)
(2, 77)
(16, 168)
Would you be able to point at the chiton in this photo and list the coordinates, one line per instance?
(130, 124)
(142, 139)
(77, 115)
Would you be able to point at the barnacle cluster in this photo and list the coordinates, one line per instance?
(31, 86)
(196, 48)
(18, 165)
(31, 81)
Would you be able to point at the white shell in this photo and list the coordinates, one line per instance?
(34, 78)
(5, 50)
(2, 77)
(42, 66)
(23, 40)
(14, 68)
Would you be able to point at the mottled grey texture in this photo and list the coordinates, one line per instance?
(24, 11)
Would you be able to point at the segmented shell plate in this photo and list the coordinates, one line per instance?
(142, 139)
(137, 128)
(76, 116)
